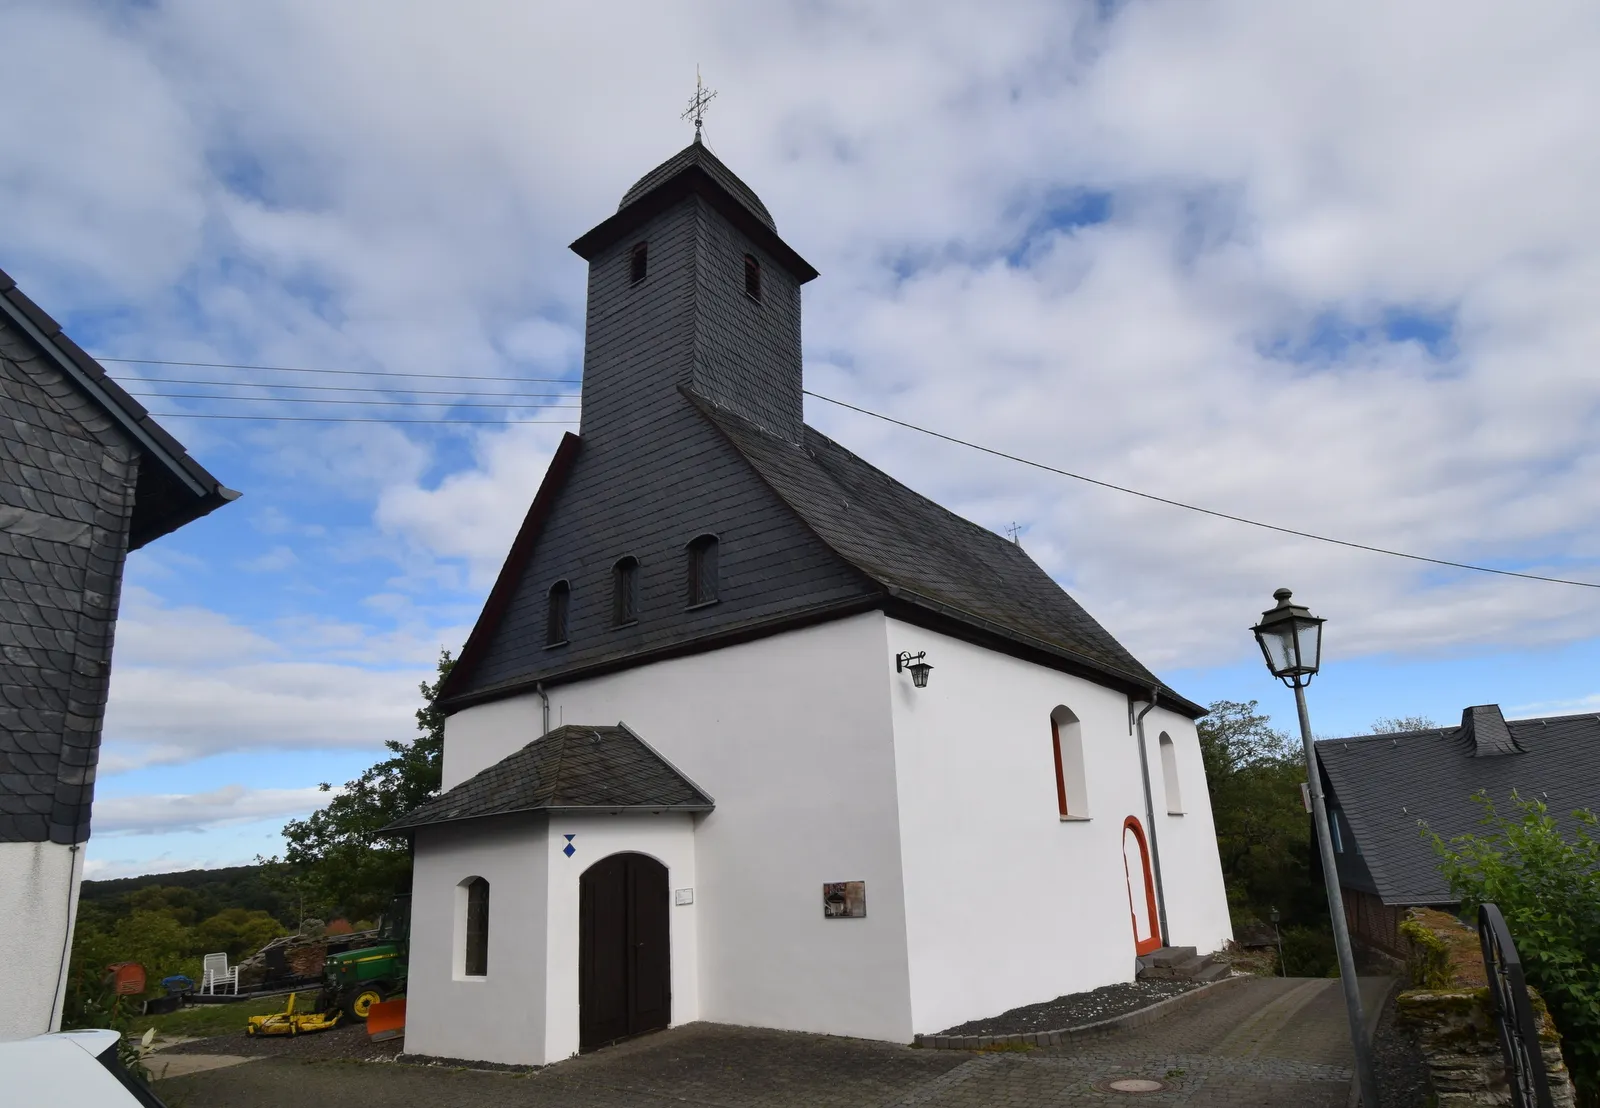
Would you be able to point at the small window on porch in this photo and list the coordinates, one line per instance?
(475, 929)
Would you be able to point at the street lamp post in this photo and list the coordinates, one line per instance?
(1291, 641)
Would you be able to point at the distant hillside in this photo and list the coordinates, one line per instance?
(248, 887)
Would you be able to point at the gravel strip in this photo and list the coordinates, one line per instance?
(1077, 1009)
(1401, 1071)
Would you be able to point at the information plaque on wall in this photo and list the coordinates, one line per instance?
(844, 899)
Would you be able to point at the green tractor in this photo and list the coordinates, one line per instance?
(355, 980)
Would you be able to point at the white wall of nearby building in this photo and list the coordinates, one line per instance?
(669, 839)
(499, 1017)
(1008, 903)
(38, 905)
(791, 736)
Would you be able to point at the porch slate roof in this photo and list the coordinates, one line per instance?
(574, 767)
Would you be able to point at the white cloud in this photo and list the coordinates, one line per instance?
(221, 807)
(188, 682)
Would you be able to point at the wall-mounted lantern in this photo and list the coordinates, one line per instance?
(914, 662)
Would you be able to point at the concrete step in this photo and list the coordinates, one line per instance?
(1191, 967)
(1214, 971)
(1168, 956)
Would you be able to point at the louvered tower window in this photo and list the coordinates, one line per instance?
(625, 591)
(703, 570)
(752, 278)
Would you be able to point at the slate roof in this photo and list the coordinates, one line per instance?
(929, 558)
(573, 768)
(173, 489)
(1387, 784)
(698, 155)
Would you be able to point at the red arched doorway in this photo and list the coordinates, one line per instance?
(1141, 889)
(624, 967)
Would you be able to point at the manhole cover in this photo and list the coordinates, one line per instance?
(1134, 1085)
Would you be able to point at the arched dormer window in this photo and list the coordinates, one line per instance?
(638, 262)
(1169, 775)
(555, 621)
(625, 591)
(703, 570)
(1072, 790)
(752, 277)
(472, 916)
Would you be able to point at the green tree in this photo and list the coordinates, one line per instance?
(240, 932)
(1399, 725)
(1253, 773)
(339, 861)
(1547, 885)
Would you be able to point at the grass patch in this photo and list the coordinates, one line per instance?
(204, 1020)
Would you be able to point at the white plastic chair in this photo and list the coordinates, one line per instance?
(217, 972)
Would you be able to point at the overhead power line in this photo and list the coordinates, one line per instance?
(348, 372)
(128, 381)
(1348, 544)
(1196, 508)
(337, 400)
(361, 419)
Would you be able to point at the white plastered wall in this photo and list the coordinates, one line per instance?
(499, 1017)
(669, 839)
(38, 904)
(1008, 904)
(791, 737)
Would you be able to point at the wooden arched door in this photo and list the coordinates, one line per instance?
(1141, 887)
(624, 951)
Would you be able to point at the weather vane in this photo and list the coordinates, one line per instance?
(697, 103)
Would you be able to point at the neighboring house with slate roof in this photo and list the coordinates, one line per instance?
(1382, 789)
(85, 476)
(747, 597)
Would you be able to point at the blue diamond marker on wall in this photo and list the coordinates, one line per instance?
(569, 850)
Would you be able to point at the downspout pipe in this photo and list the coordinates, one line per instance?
(539, 688)
(1150, 821)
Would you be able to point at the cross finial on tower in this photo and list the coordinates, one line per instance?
(697, 103)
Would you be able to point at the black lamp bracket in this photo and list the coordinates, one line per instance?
(906, 658)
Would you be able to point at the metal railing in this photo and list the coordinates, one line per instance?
(1512, 1012)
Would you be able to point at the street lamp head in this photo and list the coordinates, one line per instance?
(1291, 640)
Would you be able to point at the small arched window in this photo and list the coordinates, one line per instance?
(638, 262)
(703, 570)
(752, 278)
(555, 622)
(1169, 775)
(474, 894)
(625, 591)
(1072, 790)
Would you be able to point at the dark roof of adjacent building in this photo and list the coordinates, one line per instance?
(573, 768)
(1390, 786)
(926, 556)
(173, 489)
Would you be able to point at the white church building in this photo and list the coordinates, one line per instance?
(750, 732)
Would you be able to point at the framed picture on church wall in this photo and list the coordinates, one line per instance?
(844, 900)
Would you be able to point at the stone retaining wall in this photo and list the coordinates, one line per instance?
(1454, 1026)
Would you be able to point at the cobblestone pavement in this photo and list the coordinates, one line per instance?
(1265, 1042)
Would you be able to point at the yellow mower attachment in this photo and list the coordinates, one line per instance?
(290, 1022)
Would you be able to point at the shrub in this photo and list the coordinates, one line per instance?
(1548, 887)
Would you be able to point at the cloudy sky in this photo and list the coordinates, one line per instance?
(1333, 265)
